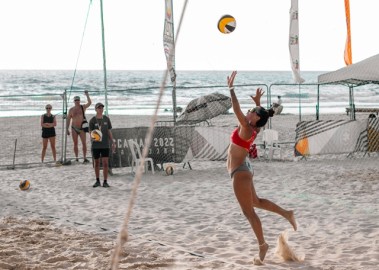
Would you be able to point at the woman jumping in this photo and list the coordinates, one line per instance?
(240, 169)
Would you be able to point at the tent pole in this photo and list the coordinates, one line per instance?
(352, 98)
(299, 103)
(318, 103)
(351, 103)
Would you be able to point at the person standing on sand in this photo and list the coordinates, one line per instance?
(240, 169)
(76, 114)
(48, 123)
(100, 148)
(277, 106)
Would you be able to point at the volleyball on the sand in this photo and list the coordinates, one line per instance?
(96, 135)
(226, 24)
(169, 170)
(24, 185)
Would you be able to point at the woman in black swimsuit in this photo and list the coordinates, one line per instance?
(48, 124)
(240, 172)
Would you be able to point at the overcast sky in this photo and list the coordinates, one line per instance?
(46, 34)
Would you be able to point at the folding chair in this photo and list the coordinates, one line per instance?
(137, 156)
(271, 142)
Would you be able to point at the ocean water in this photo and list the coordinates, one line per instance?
(26, 92)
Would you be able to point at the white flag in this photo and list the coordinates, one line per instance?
(169, 40)
(294, 42)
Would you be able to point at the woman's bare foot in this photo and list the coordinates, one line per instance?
(262, 251)
(291, 219)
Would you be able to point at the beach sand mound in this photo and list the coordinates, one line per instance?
(36, 244)
(285, 251)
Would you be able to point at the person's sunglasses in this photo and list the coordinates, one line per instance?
(48, 108)
(256, 109)
(77, 100)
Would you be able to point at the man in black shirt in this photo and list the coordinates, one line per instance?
(101, 142)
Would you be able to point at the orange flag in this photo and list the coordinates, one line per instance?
(347, 55)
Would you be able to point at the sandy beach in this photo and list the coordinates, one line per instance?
(190, 220)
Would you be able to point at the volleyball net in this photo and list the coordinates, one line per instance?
(182, 141)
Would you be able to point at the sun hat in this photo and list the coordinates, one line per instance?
(76, 98)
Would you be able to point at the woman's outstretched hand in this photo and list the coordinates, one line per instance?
(257, 97)
(231, 79)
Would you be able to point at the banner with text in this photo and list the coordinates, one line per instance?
(172, 144)
(169, 40)
(294, 42)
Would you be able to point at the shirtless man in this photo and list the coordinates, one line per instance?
(76, 115)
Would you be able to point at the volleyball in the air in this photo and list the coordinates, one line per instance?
(226, 24)
(169, 170)
(96, 135)
(24, 185)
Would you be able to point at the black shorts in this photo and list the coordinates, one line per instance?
(48, 132)
(104, 152)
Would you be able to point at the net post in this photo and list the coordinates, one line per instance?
(64, 130)
(14, 154)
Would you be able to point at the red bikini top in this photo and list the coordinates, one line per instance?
(236, 139)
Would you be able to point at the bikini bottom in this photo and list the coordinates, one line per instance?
(244, 167)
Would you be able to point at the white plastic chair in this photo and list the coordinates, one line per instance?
(137, 156)
(271, 141)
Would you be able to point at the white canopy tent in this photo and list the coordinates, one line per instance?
(363, 72)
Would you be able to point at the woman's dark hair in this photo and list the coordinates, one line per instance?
(264, 115)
